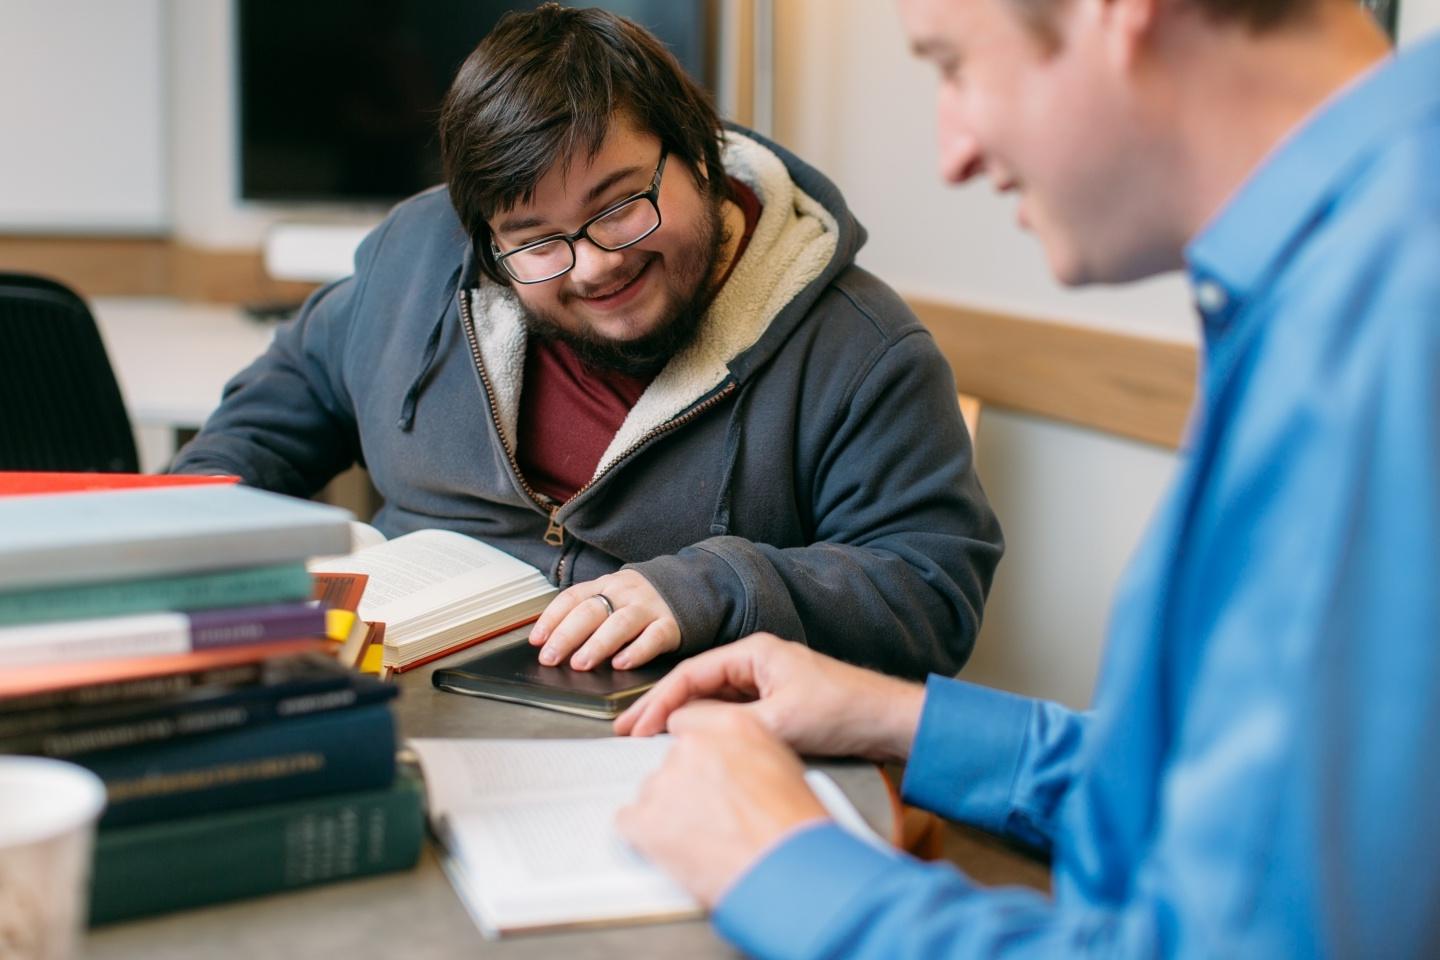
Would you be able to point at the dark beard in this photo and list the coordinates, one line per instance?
(644, 356)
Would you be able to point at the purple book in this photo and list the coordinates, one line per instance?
(239, 625)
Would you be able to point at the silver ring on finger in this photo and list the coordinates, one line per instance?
(609, 607)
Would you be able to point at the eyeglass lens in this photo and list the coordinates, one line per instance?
(619, 228)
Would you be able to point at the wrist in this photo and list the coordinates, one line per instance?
(901, 706)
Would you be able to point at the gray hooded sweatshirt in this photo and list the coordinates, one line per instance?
(800, 468)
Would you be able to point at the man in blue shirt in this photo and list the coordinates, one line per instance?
(1258, 776)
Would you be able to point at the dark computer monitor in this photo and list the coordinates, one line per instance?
(338, 99)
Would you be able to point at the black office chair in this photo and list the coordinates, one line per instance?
(60, 407)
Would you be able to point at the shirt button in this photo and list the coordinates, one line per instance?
(1210, 296)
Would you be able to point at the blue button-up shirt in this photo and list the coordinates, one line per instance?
(1260, 774)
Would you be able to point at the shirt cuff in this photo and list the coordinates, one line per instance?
(966, 752)
(795, 897)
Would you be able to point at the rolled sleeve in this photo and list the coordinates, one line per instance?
(967, 751)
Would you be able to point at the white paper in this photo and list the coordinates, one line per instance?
(529, 828)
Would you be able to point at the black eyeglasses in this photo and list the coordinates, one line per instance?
(618, 226)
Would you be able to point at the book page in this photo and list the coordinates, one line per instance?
(461, 774)
(558, 861)
(530, 826)
(450, 564)
(363, 536)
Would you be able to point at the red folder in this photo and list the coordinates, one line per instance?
(18, 482)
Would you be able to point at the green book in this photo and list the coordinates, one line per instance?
(174, 865)
(276, 583)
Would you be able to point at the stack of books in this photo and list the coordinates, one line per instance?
(164, 638)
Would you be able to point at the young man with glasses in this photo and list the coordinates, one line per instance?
(634, 350)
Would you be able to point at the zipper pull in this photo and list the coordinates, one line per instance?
(555, 532)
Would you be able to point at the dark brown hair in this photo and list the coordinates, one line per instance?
(546, 84)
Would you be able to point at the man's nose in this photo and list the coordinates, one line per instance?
(960, 154)
(593, 264)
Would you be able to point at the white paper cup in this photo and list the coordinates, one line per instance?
(48, 810)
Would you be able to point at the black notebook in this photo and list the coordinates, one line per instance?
(515, 673)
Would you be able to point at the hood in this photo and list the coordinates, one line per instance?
(804, 238)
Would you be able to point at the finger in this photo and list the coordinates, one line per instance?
(646, 716)
(616, 630)
(559, 608)
(723, 671)
(573, 631)
(661, 636)
(701, 718)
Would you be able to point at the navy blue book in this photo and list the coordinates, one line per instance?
(289, 687)
(331, 752)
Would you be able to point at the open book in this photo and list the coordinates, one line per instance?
(437, 591)
(528, 836)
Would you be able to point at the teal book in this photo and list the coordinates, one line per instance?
(162, 867)
(59, 539)
(273, 583)
(329, 752)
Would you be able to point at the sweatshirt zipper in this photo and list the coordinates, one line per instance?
(543, 502)
(554, 530)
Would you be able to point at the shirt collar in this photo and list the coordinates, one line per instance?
(1243, 245)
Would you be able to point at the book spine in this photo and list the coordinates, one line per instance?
(211, 859)
(52, 679)
(225, 588)
(342, 750)
(133, 699)
(238, 625)
(154, 634)
(89, 561)
(60, 703)
(197, 717)
(141, 634)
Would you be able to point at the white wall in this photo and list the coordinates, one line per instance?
(1417, 18)
(1073, 503)
(82, 128)
(853, 101)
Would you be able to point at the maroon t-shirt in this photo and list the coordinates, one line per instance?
(569, 412)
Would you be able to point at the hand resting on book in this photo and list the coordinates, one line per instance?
(814, 704)
(727, 791)
(732, 786)
(579, 624)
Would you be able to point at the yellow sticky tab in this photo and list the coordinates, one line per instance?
(338, 623)
(370, 663)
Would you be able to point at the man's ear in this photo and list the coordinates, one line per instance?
(1129, 27)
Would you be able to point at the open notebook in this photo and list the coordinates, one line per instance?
(528, 836)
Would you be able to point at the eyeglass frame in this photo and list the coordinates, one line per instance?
(652, 194)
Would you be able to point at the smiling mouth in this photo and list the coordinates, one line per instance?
(617, 288)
